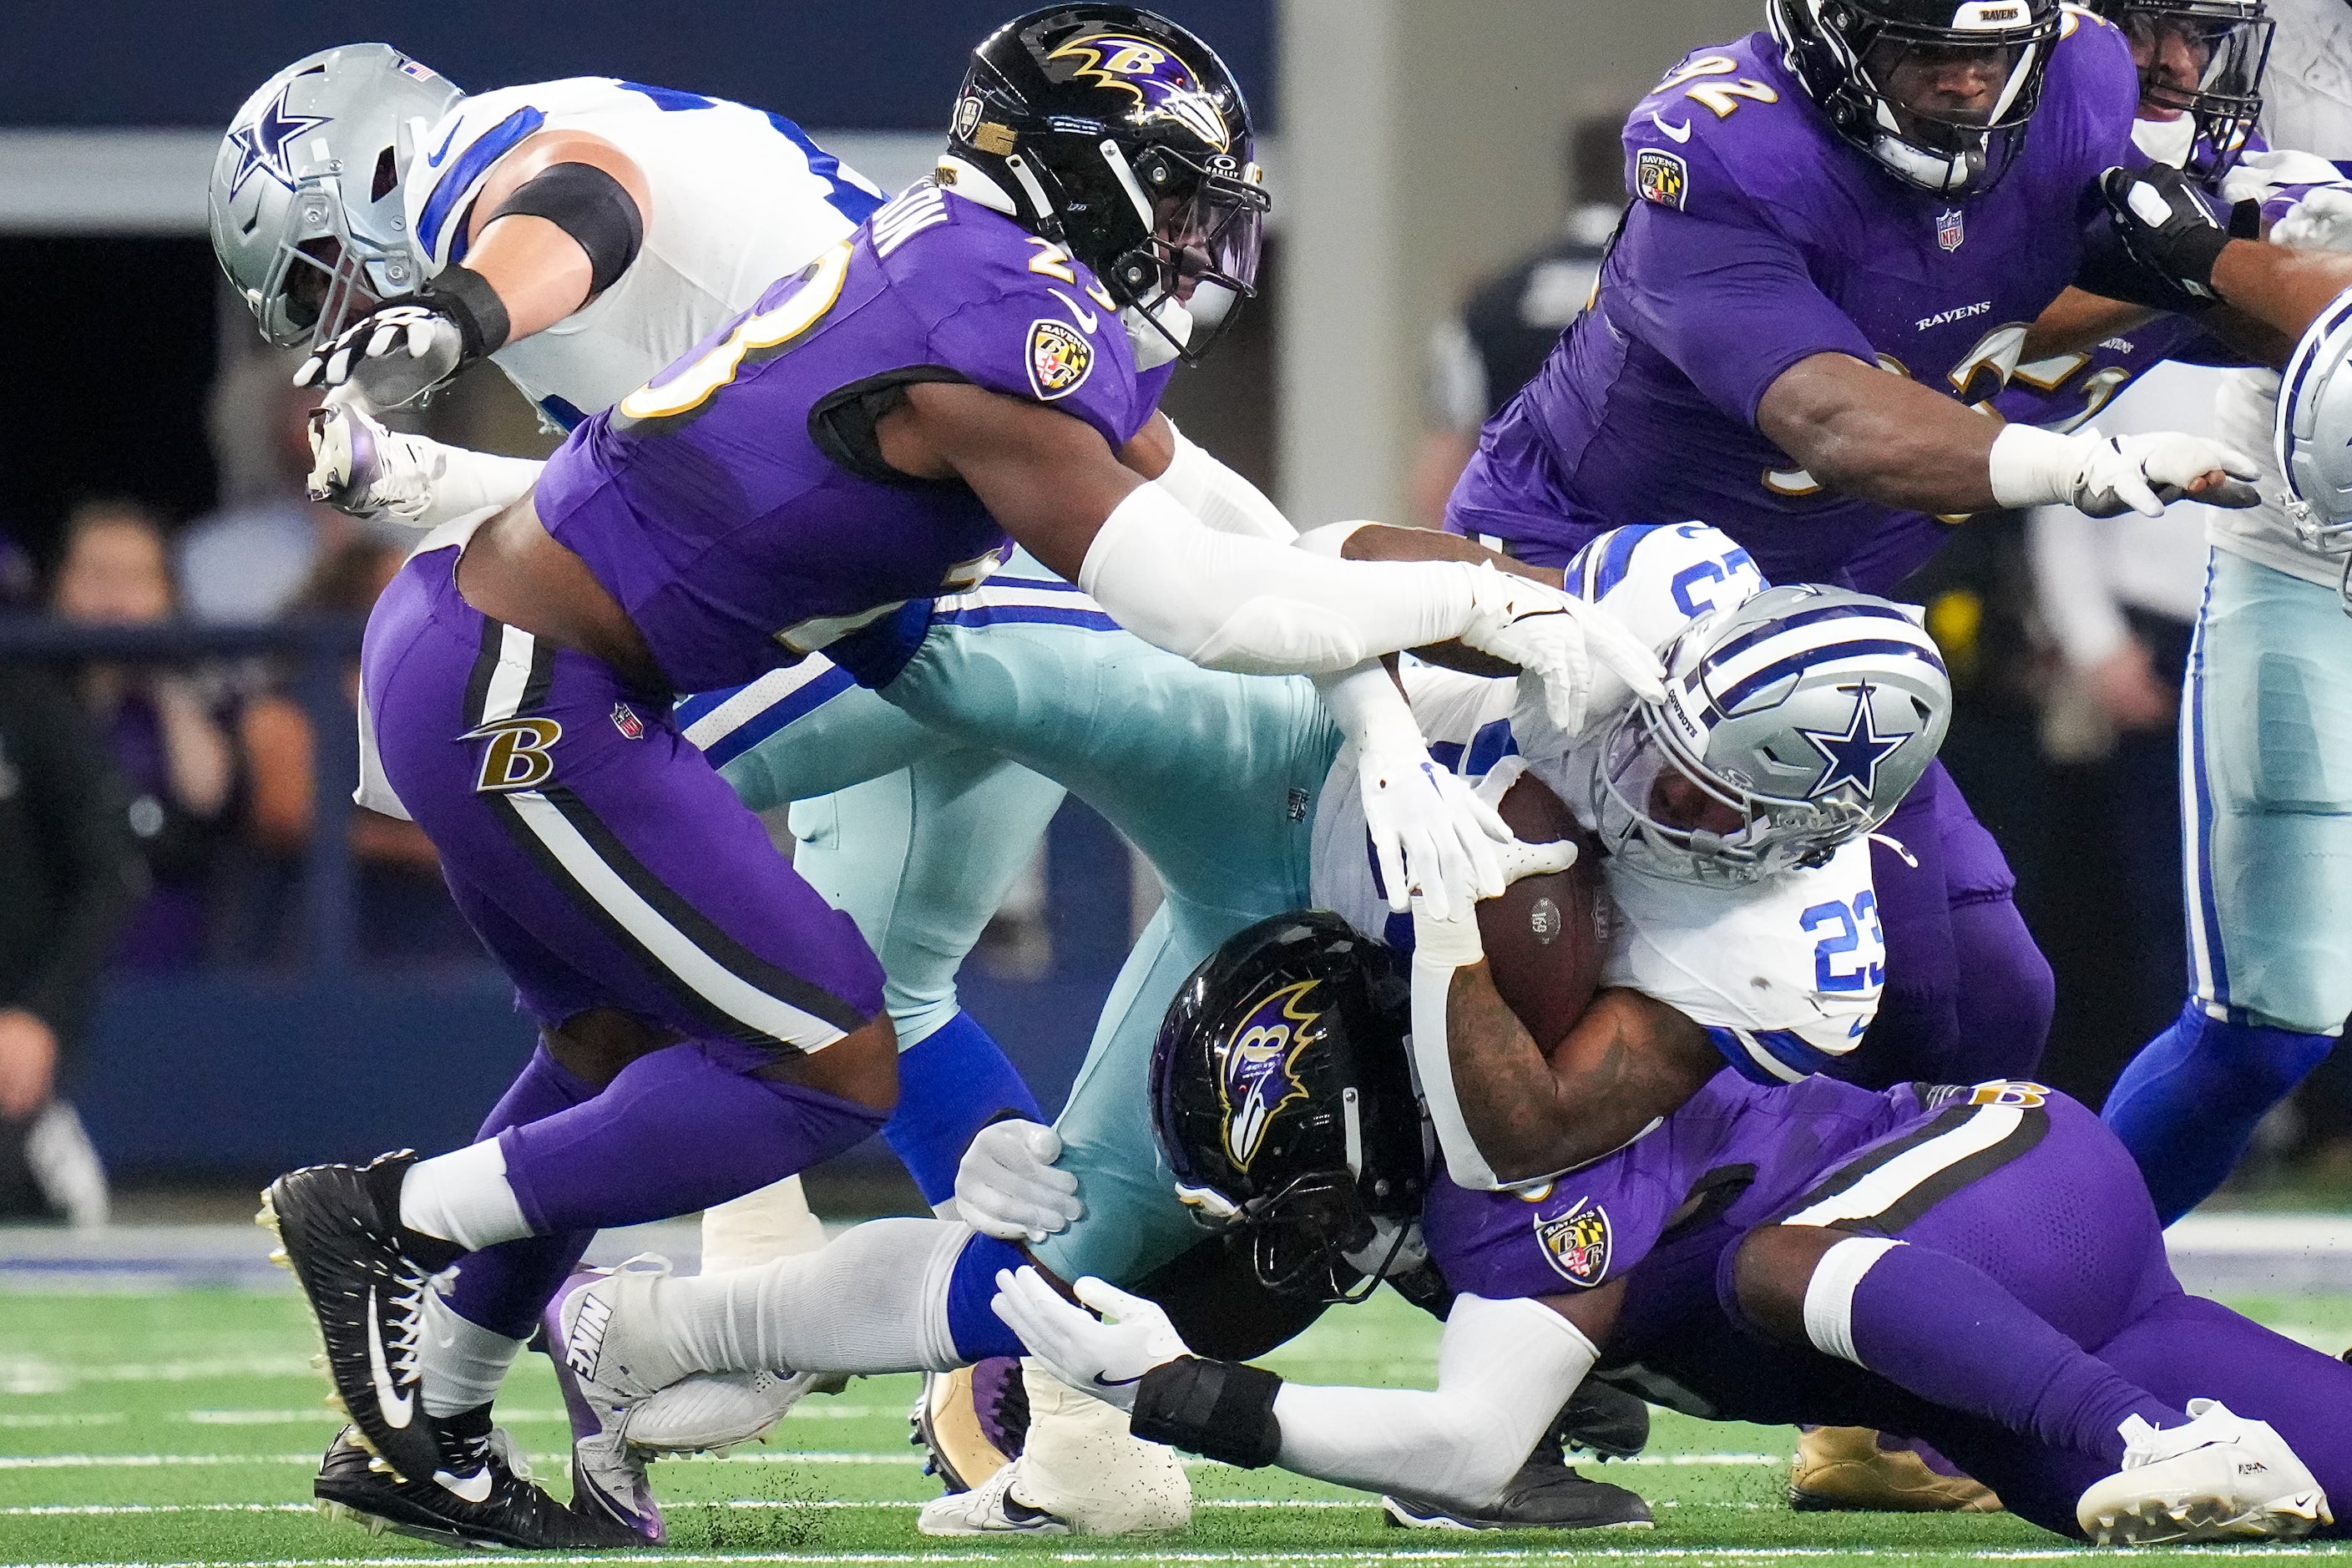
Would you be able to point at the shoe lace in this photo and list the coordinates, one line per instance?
(411, 1284)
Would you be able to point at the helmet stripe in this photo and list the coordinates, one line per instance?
(1810, 659)
(1796, 618)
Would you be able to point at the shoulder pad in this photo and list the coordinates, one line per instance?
(1708, 135)
(1658, 578)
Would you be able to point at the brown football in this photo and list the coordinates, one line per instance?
(1546, 936)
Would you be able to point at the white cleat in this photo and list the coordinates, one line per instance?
(715, 1410)
(992, 1507)
(1079, 1468)
(2220, 1477)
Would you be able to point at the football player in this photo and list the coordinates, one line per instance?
(2268, 850)
(1977, 1266)
(1748, 935)
(791, 486)
(1844, 231)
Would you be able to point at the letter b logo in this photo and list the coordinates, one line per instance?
(517, 757)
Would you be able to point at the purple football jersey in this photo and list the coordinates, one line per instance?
(1762, 1144)
(736, 505)
(1758, 238)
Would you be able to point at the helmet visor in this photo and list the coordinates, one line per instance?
(1944, 92)
(1206, 239)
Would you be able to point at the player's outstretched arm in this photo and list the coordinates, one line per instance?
(1504, 1370)
(1859, 430)
(558, 222)
(1224, 601)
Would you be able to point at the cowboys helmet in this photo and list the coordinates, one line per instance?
(1790, 725)
(305, 206)
(1938, 91)
(1113, 132)
(2313, 438)
(2201, 63)
(1284, 1104)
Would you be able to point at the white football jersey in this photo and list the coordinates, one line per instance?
(1783, 974)
(740, 198)
(2307, 105)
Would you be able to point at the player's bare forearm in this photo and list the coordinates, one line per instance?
(540, 273)
(2076, 319)
(1382, 541)
(2283, 289)
(1628, 1061)
(1859, 430)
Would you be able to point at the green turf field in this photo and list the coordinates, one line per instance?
(181, 1427)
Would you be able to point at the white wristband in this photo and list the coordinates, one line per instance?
(2031, 467)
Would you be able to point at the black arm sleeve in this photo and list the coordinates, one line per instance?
(75, 804)
(589, 206)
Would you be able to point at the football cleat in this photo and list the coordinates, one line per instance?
(482, 1496)
(365, 1279)
(1605, 1422)
(2219, 1478)
(1840, 1468)
(1546, 1494)
(992, 1507)
(607, 1477)
(972, 1421)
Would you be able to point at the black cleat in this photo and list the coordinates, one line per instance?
(482, 1496)
(1607, 1423)
(1546, 1494)
(366, 1280)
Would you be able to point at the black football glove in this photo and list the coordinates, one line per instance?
(406, 347)
(2167, 231)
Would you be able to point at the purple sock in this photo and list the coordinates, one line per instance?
(678, 1130)
(1952, 1334)
(503, 1287)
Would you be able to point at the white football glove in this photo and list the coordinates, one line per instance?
(1556, 637)
(1006, 1185)
(393, 355)
(1106, 1357)
(2322, 220)
(360, 468)
(2106, 476)
(1451, 935)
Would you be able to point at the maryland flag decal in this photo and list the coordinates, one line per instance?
(1059, 359)
(1576, 1244)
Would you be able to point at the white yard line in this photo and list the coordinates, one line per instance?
(773, 1457)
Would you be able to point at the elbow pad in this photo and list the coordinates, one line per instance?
(1256, 608)
(1219, 497)
(589, 206)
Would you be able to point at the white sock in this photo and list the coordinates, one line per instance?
(1829, 1296)
(462, 1363)
(874, 1298)
(464, 1196)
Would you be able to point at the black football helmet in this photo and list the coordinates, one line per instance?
(1118, 135)
(1284, 1103)
(2202, 59)
(1939, 92)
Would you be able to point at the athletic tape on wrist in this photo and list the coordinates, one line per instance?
(466, 297)
(1217, 1409)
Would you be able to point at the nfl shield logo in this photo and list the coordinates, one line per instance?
(625, 720)
(1950, 229)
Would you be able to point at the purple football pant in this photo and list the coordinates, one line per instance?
(2062, 1221)
(605, 865)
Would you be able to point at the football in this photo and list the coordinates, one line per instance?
(1546, 936)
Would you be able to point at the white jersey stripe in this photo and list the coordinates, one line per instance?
(503, 698)
(673, 948)
(1891, 1183)
(757, 698)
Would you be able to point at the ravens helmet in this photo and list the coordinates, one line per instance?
(1938, 91)
(2201, 66)
(1118, 135)
(1285, 1106)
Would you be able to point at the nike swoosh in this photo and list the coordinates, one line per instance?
(1679, 133)
(395, 1406)
(475, 1488)
(433, 161)
(1117, 1382)
(1085, 317)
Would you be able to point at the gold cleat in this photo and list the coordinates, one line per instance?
(1845, 1468)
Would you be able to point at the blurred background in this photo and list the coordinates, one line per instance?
(213, 967)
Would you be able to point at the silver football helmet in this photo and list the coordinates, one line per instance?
(2313, 436)
(305, 204)
(1792, 724)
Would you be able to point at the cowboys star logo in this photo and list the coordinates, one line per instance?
(261, 146)
(1851, 757)
(1059, 359)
